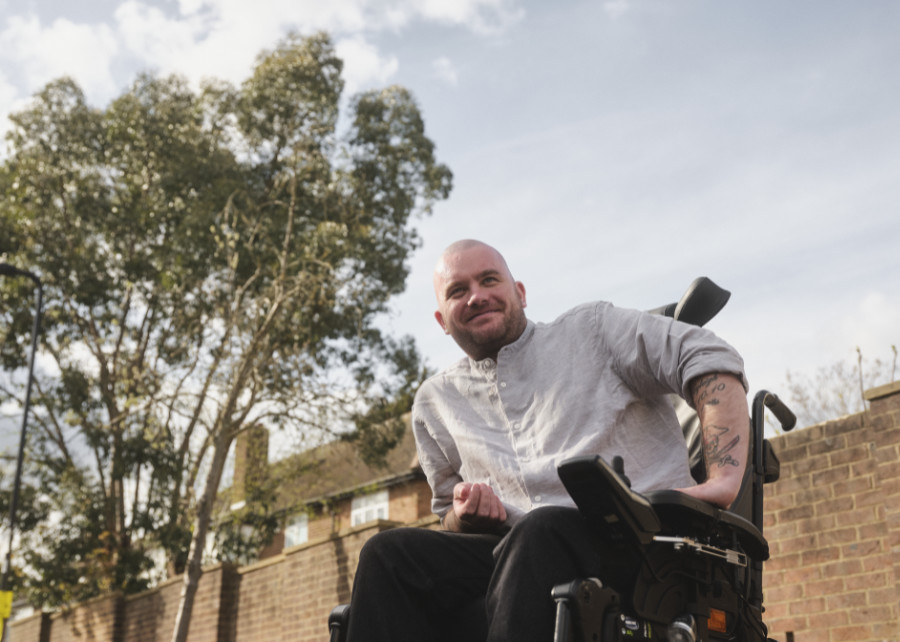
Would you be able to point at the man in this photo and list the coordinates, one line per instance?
(491, 429)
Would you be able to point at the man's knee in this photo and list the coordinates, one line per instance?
(549, 535)
(393, 544)
(547, 521)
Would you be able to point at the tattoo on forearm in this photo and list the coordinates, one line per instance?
(705, 391)
(718, 450)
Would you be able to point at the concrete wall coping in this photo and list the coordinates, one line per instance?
(879, 392)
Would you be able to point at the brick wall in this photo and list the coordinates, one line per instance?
(35, 627)
(832, 521)
(288, 597)
(150, 616)
(833, 524)
(146, 617)
(97, 619)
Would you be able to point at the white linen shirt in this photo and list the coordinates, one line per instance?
(592, 382)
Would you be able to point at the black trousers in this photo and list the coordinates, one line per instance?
(418, 585)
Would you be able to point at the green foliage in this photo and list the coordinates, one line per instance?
(211, 260)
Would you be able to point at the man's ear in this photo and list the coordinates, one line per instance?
(440, 319)
(520, 287)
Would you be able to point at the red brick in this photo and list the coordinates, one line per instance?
(853, 486)
(838, 536)
(831, 475)
(871, 614)
(847, 601)
(839, 505)
(862, 549)
(827, 445)
(816, 525)
(849, 455)
(812, 496)
(784, 593)
(849, 633)
(866, 581)
(820, 556)
(840, 569)
(831, 620)
(796, 544)
(810, 464)
(825, 587)
(802, 574)
(808, 606)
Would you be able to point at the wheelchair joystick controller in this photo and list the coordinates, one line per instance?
(682, 629)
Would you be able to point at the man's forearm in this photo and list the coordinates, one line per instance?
(721, 403)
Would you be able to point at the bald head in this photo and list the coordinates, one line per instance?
(452, 255)
(479, 303)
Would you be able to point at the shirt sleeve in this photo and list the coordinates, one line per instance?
(655, 354)
(442, 476)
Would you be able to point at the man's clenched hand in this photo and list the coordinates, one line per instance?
(476, 509)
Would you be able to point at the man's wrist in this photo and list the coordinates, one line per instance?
(450, 522)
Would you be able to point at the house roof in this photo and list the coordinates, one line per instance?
(335, 469)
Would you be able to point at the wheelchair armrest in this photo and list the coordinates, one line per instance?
(606, 501)
(337, 622)
(684, 515)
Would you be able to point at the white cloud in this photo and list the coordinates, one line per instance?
(873, 325)
(187, 7)
(616, 8)
(9, 102)
(221, 39)
(207, 40)
(41, 54)
(446, 71)
(152, 36)
(481, 16)
(363, 64)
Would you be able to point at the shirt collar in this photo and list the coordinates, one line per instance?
(507, 350)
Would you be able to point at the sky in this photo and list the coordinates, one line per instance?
(610, 149)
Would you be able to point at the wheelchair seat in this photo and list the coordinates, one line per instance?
(611, 507)
(683, 513)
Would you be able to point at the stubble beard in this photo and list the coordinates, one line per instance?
(481, 343)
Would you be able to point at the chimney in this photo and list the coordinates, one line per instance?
(251, 464)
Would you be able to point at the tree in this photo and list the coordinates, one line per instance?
(838, 390)
(213, 261)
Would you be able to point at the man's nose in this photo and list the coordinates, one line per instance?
(477, 297)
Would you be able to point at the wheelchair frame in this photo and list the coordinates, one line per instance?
(683, 569)
(662, 537)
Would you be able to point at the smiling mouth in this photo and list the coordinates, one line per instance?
(481, 314)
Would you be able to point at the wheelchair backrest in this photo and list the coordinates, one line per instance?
(701, 302)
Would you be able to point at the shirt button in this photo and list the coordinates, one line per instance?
(502, 384)
(537, 499)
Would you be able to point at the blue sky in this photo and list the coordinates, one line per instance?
(610, 149)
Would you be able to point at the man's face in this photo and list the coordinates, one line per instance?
(479, 304)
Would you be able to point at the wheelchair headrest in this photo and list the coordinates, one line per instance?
(701, 302)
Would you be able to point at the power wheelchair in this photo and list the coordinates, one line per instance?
(681, 570)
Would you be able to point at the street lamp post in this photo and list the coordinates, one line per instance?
(5, 592)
